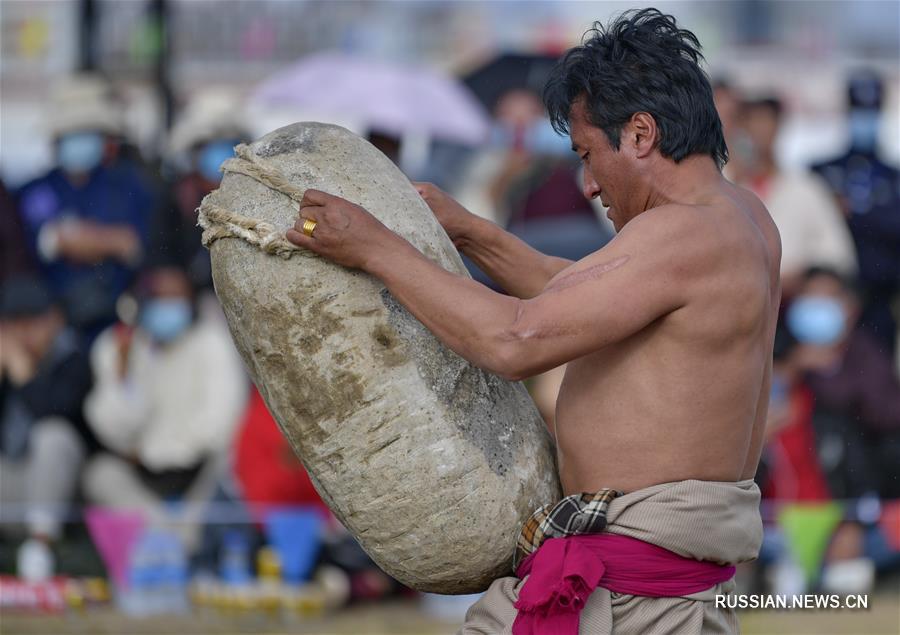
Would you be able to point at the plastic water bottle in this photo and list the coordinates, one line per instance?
(137, 599)
(234, 559)
(172, 576)
(157, 576)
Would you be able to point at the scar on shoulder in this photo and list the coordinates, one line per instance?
(584, 275)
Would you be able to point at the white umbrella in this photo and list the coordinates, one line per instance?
(390, 98)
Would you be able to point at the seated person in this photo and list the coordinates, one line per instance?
(265, 466)
(87, 218)
(168, 395)
(44, 378)
(854, 385)
(856, 414)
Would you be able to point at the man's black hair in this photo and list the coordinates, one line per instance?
(640, 62)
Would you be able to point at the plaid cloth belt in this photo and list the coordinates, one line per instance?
(574, 515)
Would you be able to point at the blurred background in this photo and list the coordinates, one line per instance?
(143, 484)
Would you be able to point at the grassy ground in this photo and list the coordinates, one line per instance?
(406, 618)
(881, 618)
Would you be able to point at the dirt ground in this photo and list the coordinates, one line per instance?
(407, 618)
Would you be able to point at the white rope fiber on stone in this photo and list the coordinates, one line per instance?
(218, 222)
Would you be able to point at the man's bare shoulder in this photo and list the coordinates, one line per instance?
(685, 236)
(664, 222)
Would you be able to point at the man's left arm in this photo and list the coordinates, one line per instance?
(605, 298)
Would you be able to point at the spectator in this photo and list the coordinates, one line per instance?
(265, 465)
(87, 218)
(818, 444)
(44, 378)
(527, 181)
(168, 395)
(869, 192)
(813, 231)
(856, 419)
(855, 386)
(203, 137)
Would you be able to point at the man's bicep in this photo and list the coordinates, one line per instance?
(603, 301)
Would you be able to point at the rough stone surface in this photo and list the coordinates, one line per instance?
(431, 463)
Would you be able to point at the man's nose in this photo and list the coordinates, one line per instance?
(591, 190)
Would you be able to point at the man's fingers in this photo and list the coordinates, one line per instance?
(311, 212)
(315, 197)
(300, 239)
(424, 188)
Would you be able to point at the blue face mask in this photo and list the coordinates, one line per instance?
(864, 129)
(538, 138)
(212, 155)
(166, 318)
(543, 139)
(816, 319)
(80, 152)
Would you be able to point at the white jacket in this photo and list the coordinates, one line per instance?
(813, 229)
(179, 403)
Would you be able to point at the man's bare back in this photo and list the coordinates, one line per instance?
(685, 397)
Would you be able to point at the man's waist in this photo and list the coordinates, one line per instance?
(623, 564)
(712, 521)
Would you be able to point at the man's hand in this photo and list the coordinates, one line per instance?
(89, 242)
(16, 362)
(345, 233)
(124, 336)
(452, 216)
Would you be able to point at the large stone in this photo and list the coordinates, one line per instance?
(431, 463)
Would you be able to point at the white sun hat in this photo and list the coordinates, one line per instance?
(84, 102)
(210, 114)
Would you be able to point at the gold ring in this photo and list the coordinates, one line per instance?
(309, 226)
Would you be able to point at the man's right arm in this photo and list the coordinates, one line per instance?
(519, 269)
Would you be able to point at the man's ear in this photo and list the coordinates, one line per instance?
(642, 133)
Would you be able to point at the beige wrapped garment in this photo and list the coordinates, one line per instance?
(713, 521)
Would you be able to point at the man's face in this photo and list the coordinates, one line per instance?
(606, 170)
(34, 333)
(170, 283)
(829, 287)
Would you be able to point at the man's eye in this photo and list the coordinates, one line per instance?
(585, 156)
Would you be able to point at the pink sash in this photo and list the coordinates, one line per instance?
(565, 571)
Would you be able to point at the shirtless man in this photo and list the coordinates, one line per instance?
(667, 330)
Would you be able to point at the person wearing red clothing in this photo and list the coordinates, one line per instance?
(265, 465)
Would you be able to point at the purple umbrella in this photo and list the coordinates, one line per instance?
(389, 98)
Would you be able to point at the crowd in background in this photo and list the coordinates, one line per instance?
(121, 387)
